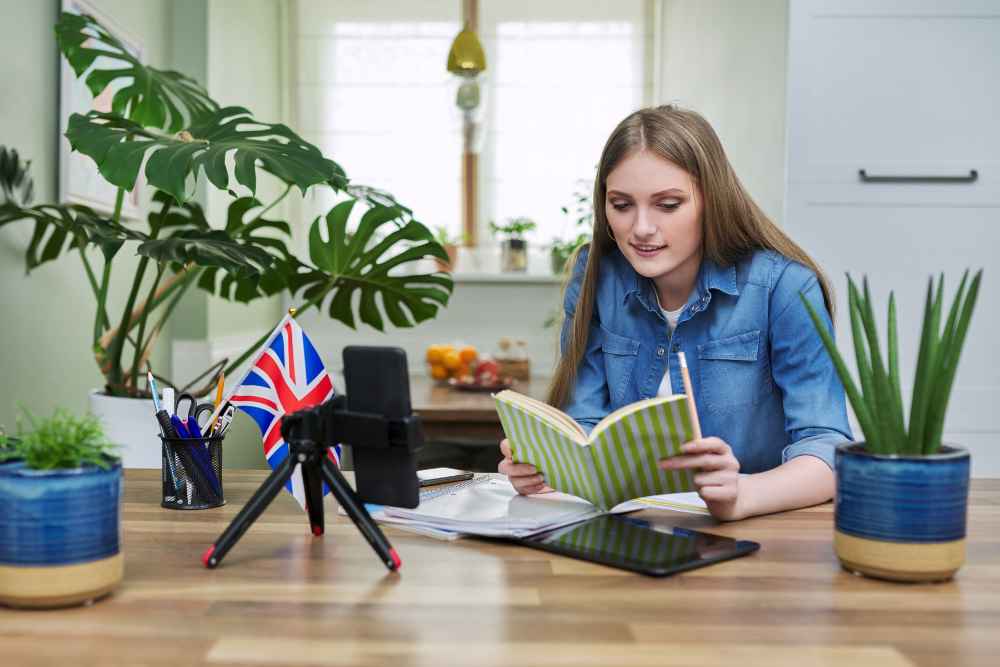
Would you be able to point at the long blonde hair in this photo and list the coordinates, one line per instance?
(733, 225)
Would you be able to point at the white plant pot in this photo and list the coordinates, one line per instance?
(129, 423)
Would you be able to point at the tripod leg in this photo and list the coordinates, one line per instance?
(355, 509)
(312, 480)
(258, 502)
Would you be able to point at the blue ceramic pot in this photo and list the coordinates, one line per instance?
(59, 534)
(901, 517)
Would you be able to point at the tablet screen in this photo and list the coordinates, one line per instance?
(634, 544)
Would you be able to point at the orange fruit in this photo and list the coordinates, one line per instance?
(451, 359)
(434, 354)
(439, 372)
(468, 354)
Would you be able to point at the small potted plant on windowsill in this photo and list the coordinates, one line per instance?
(900, 509)
(450, 243)
(582, 221)
(513, 245)
(60, 490)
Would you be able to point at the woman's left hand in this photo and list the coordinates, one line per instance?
(716, 477)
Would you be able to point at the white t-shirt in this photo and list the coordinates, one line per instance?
(672, 317)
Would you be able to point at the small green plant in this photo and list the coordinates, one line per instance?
(444, 236)
(514, 228)
(878, 404)
(59, 442)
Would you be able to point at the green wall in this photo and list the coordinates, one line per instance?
(234, 49)
(48, 316)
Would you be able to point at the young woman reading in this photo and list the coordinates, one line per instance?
(683, 260)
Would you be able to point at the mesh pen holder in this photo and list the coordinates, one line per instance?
(192, 473)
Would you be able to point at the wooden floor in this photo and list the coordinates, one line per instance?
(282, 597)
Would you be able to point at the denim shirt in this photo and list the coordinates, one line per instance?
(762, 380)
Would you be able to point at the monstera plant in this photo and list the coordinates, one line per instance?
(165, 125)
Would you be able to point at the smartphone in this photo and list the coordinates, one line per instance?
(377, 381)
(431, 476)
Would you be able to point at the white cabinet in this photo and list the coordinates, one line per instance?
(909, 90)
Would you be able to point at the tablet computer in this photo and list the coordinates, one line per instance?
(634, 544)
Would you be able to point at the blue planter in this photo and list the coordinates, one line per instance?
(901, 517)
(59, 534)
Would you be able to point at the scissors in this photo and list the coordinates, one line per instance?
(192, 413)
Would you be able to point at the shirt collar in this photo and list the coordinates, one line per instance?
(711, 276)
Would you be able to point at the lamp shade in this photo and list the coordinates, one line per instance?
(466, 56)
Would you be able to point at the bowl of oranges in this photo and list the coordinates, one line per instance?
(451, 361)
(461, 367)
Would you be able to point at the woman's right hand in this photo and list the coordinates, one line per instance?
(523, 476)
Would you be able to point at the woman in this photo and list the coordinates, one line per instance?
(683, 260)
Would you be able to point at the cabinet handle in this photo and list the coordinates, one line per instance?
(971, 178)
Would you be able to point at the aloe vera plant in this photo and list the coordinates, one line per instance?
(878, 401)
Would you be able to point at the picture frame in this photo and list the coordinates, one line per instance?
(80, 182)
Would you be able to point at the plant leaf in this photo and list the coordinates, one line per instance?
(861, 409)
(263, 234)
(209, 248)
(58, 229)
(119, 146)
(955, 332)
(920, 382)
(361, 263)
(895, 387)
(151, 97)
(873, 439)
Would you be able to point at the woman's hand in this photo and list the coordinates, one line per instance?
(524, 476)
(716, 478)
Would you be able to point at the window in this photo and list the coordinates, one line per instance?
(372, 92)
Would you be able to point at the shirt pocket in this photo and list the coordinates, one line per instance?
(733, 372)
(620, 353)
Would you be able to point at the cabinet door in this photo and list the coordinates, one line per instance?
(903, 89)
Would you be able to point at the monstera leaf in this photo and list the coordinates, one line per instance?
(151, 97)
(61, 228)
(364, 261)
(211, 248)
(118, 146)
(15, 183)
(247, 228)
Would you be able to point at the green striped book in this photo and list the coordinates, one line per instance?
(616, 462)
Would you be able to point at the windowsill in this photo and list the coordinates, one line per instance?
(482, 266)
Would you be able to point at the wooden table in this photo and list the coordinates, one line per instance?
(282, 597)
(462, 427)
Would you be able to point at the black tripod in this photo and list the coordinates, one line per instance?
(306, 432)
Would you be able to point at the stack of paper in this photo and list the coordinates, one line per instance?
(490, 506)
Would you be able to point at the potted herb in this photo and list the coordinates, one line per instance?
(581, 222)
(166, 126)
(60, 487)
(450, 243)
(513, 245)
(900, 509)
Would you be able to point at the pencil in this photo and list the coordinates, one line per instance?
(689, 392)
(218, 400)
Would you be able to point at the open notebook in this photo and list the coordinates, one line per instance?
(489, 506)
(616, 462)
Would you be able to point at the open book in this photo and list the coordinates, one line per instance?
(616, 462)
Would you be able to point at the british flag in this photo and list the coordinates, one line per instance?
(288, 375)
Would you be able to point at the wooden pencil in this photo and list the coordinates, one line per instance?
(689, 392)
